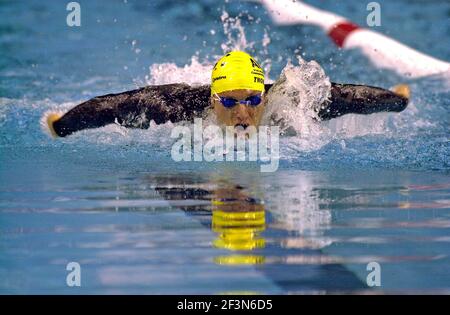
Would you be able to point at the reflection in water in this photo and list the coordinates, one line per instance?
(212, 233)
(301, 210)
(238, 230)
(283, 237)
(238, 220)
(238, 217)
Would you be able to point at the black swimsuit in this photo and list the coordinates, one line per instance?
(182, 102)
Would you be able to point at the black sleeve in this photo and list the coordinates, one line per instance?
(160, 103)
(360, 99)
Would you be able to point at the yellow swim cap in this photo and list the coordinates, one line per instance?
(237, 70)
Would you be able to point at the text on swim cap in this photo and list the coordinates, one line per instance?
(219, 78)
(258, 80)
(255, 64)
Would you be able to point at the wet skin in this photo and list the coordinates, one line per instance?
(240, 114)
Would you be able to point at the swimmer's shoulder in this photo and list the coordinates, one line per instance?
(178, 90)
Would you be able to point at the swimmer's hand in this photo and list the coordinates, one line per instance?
(47, 121)
(402, 90)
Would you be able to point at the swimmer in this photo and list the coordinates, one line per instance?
(236, 97)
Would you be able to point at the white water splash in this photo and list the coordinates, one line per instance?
(195, 73)
(237, 40)
(235, 33)
(294, 95)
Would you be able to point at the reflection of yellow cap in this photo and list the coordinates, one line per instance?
(239, 230)
(239, 260)
(235, 71)
(239, 222)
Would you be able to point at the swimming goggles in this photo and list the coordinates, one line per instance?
(230, 102)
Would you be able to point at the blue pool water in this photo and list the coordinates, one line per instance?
(360, 190)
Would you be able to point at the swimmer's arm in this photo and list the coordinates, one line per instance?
(94, 113)
(361, 99)
(135, 109)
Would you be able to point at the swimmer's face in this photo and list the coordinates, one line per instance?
(240, 114)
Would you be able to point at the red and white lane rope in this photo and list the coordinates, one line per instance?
(383, 51)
